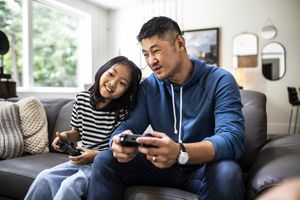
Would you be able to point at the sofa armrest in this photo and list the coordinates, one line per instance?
(278, 160)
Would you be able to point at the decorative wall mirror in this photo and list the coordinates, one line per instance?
(245, 50)
(269, 31)
(273, 61)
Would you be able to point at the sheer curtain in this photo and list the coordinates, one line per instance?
(150, 8)
(146, 9)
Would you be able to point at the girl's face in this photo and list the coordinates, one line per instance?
(115, 81)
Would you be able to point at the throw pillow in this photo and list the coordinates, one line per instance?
(11, 138)
(4, 104)
(34, 125)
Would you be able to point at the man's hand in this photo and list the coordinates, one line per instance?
(121, 153)
(165, 153)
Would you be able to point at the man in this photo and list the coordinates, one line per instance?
(195, 112)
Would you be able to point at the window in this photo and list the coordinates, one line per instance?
(54, 47)
(48, 56)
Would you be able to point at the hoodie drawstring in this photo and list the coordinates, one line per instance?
(174, 112)
(180, 116)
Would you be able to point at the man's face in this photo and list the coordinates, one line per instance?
(162, 56)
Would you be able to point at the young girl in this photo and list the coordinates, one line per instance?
(96, 113)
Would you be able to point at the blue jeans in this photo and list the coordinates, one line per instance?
(65, 181)
(218, 180)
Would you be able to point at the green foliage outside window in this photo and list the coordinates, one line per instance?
(54, 46)
(54, 42)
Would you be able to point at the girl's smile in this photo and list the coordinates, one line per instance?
(115, 81)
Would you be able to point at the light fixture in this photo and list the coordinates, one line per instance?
(239, 76)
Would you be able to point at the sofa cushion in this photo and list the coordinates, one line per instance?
(278, 160)
(157, 193)
(34, 125)
(64, 118)
(52, 107)
(17, 174)
(11, 138)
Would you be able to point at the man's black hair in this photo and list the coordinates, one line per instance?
(163, 27)
(124, 104)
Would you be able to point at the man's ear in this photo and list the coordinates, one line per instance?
(181, 42)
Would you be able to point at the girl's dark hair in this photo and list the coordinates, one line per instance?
(163, 27)
(125, 103)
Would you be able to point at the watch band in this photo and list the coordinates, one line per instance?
(183, 156)
(182, 147)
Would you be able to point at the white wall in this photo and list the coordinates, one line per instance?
(232, 17)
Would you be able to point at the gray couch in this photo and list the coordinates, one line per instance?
(265, 162)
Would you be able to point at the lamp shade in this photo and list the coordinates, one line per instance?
(4, 43)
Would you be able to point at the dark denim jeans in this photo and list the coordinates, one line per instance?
(218, 180)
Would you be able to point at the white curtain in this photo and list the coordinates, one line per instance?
(146, 9)
(150, 8)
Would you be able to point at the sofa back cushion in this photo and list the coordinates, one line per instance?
(254, 111)
(52, 108)
(63, 119)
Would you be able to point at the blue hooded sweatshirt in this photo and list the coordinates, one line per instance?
(207, 107)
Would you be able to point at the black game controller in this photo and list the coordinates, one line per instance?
(130, 140)
(68, 147)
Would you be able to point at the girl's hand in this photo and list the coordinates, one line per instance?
(86, 158)
(59, 135)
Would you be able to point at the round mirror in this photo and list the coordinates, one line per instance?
(273, 61)
(245, 50)
(268, 32)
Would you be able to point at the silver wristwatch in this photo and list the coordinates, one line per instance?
(183, 157)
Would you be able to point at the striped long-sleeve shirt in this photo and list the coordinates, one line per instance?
(95, 126)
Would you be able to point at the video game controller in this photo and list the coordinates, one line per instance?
(68, 147)
(130, 140)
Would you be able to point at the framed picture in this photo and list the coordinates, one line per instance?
(204, 44)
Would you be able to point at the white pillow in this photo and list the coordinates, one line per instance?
(34, 125)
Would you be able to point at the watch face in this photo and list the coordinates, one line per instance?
(183, 158)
